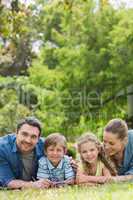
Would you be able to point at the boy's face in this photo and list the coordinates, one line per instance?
(55, 154)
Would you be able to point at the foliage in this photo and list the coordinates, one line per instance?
(79, 79)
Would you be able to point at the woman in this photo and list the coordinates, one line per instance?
(118, 143)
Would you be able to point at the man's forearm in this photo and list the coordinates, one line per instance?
(16, 184)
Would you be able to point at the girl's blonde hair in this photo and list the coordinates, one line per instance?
(90, 137)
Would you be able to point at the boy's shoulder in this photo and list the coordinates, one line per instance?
(43, 160)
(66, 159)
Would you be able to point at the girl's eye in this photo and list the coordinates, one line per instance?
(92, 149)
(83, 151)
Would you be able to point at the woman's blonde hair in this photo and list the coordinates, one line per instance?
(90, 137)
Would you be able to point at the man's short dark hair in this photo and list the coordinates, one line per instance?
(32, 121)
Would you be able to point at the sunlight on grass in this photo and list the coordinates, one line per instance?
(107, 192)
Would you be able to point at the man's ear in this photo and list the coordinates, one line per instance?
(125, 140)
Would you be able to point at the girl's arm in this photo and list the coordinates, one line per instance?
(69, 181)
(82, 178)
(106, 172)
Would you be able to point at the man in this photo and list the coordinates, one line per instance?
(19, 155)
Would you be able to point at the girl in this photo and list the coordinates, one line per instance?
(95, 167)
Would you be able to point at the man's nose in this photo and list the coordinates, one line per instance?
(28, 139)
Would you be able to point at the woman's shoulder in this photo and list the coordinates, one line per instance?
(130, 137)
(130, 133)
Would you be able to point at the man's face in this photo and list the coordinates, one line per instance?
(27, 138)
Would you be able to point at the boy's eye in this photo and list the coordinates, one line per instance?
(59, 150)
(51, 149)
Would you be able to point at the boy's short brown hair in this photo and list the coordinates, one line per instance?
(54, 139)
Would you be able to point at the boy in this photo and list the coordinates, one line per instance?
(55, 168)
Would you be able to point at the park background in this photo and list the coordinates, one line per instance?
(67, 62)
(70, 64)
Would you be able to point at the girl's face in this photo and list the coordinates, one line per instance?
(55, 153)
(89, 152)
(113, 145)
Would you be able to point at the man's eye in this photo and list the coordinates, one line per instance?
(24, 134)
(34, 137)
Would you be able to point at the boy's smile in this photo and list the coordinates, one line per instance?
(55, 154)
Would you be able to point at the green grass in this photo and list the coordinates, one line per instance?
(107, 192)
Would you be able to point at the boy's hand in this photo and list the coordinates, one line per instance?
(42, 183)
(74, 164)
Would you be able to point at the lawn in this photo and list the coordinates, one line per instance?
(106, 192)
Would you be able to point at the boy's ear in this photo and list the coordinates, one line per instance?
(125, 141)
(65, 150)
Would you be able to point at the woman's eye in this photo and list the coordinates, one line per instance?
(111, 143)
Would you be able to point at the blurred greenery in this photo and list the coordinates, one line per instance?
(79, 78)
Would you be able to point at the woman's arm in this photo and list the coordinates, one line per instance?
(106, 172)
(122, 178)
(82, 178)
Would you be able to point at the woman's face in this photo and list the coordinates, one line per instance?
(113, 144)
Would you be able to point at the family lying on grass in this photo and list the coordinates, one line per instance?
(28, 161)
